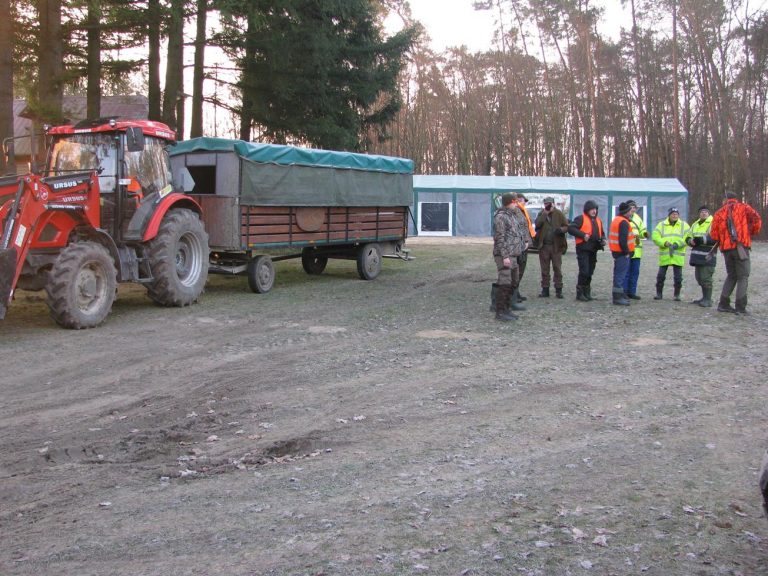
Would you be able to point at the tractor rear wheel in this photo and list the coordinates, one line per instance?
(178, 258)
(81, 285)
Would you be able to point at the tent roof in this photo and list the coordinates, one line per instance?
(456, 183)
(292, 155)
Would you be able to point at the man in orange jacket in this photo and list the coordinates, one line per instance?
(733, 226)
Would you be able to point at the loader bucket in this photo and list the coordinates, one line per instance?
(7, 275)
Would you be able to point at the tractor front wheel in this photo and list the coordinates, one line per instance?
(81, 285)
(178, 258)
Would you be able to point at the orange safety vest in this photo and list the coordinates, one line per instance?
(531, 229)
(613, 235)
(586, 227)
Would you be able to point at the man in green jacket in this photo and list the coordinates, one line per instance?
(551, 226)
(703, 257)
(669, 235)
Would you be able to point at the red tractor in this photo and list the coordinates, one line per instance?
(103, 211)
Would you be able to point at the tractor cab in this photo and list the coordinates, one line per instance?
(129, 156)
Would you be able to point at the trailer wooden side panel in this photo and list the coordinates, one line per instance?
(302, 226)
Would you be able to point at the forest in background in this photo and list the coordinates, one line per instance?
(681, 92)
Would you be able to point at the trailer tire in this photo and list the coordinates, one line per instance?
(312, 263)
(81, 285)
(178, 258)
(261, 274)
(369, 261)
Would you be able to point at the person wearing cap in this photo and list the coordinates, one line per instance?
(621, 242)
(551, 226)
(522, 260)
(641, 232)
(669, 235)
(508, 244)
(733, 227)
(588, 230)
(702, 255)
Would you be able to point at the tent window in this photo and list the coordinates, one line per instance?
(435, 219)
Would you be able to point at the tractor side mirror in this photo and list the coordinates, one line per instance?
(134, 139)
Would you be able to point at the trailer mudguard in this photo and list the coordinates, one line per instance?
(148, 216)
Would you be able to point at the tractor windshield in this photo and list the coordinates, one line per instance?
(79, 152)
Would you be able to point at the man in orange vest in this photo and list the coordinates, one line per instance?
(588, 230)
(621, 241)
(733, 226)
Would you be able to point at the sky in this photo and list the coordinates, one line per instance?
(455, 22)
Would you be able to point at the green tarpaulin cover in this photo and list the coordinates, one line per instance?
(272, 175)
(293, 156)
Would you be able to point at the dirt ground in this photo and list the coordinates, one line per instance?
(342, 427)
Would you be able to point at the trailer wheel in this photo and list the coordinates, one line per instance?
(369, 261)
(312, 263)
(81, 285)
(178, 258)
(261, 274)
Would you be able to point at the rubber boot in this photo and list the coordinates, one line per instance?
(706, 297)
(514, 301)
(703, 296)
(725, 306)
(559, 292)
(659, 290)
(619, 299)
(580, 294)
(588, 293)
(503, 294)
(678, 288)
(544, 292)
(494, 292)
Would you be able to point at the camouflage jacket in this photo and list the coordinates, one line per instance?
(509, 233)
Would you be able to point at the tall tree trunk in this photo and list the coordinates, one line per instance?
(93, 89)
(196, 128)
(642, 136)
(154, 95)
(676, 102)
(51, 68)
(6, 85)
(174, 73)
(246, 111)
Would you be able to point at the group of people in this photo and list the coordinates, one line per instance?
(730, 230)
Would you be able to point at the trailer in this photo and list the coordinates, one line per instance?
(260, 201)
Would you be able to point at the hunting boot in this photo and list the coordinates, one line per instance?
(741, 306)
(514, 301)
(725, 306)
(559, 292)
(580, 294)
(706, 297)
(678, 288)
(619, 299)
(659, 290)
(494, 291)
(502, 304)
(544, 292)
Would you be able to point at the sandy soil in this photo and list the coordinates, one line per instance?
(335, 426)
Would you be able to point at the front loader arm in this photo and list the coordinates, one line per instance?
(35, 205)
